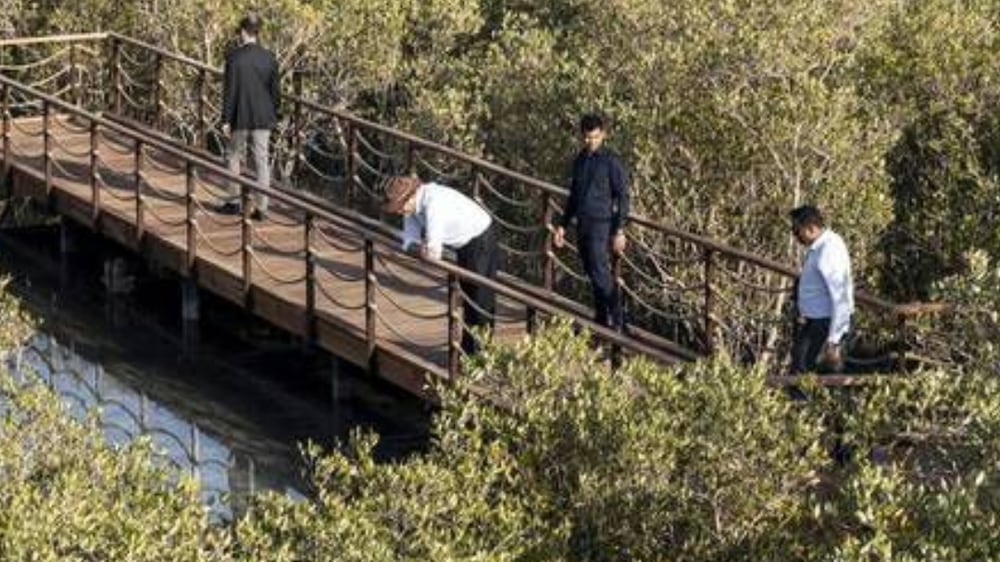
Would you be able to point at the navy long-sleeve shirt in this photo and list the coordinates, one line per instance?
(598, 189)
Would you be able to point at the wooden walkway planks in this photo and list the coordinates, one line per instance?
(410, 302)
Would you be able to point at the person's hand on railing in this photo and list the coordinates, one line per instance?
(832, 357)
(559, 237)
(619, 243)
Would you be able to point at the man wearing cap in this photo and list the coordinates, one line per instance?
(824, 294)
(435, 217)
(250, 101)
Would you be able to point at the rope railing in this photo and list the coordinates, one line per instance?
(408, 310)
(322, 290)
(207, 240)
(507, 200)
(277, 278)
(152, 212)
(268, 243)
(342, 246)
(390, 326)
(322, 261)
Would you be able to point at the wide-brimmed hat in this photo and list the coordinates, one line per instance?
(398, 191)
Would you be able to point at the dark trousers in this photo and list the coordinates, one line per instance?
(808, 343)
(594, 242)
(478, 255)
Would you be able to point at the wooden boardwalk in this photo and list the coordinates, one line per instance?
(410, 313)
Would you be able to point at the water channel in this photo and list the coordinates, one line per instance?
(232, 408)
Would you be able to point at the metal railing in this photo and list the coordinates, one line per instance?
(678, 286)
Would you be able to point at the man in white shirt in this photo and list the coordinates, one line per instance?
(824, 294)
(435, 217)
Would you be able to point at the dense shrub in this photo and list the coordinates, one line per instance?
(700, 461)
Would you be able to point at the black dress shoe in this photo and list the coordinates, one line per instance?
(228, 208)
(258, 215)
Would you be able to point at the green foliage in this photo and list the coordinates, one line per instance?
(700, 461)
(945, 198)
(65, 494)
(971, 331)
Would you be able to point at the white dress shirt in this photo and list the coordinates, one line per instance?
(826, 289)
(443, 217)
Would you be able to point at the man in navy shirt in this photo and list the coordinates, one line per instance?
(599, 202)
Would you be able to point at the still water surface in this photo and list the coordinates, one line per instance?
(233, 410)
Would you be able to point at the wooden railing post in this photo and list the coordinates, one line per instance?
(477, 191)
(454, 326)
(616, 271)
(140, 228)
(902, 343)
(75, 75)
(246, 241)
(548, 248)
(116, 75)
(47, 145)
(95, 185)
(351, 165)
(309, 330)
(298, 125)
(5, 107)
(157, 91)
(199, 133)
(371, 307)
(531, 320)
(409, 164)
(190, 224)
(707, 322)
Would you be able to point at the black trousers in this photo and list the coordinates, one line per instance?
(478, 255)
(594, 242)
(808, 343)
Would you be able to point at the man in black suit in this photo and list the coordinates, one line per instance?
(250, 102)
(599, 203)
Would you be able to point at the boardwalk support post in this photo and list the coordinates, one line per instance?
(371, 307)
(549, 266)
(67, 249)
(246, 246)
(309, 330)
(116, 75)
(140, 221)
(5, 108)
(95, 185)
(190, 314)
(191, 223)
(201, 125)
(47, 146)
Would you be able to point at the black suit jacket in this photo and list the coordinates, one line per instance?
(251, 88)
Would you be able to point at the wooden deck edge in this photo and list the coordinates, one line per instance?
(389, 361)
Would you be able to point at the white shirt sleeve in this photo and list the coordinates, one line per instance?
(411, 232)
(835, 267)
(435, 231)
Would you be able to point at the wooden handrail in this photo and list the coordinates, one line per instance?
(67, 38)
